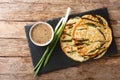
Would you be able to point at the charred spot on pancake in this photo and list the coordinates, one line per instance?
(86, 37)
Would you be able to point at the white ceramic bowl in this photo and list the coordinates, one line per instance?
(35, 26)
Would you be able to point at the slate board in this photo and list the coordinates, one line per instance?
(58, 59)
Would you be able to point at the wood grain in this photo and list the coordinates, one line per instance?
(45, 11)
(59, 2)
(9, 29)
(16, 77)
(14, 47)
(15, 65)
(19, 47)
(15, 61)
(104, 69)
(95, 70)
(50, 1)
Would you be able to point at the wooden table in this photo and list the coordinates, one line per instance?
(15, 60)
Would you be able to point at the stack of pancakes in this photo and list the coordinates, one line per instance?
(86, 37)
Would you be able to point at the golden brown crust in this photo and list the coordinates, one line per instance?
(86, 37)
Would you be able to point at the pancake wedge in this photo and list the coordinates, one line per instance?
(67, 44)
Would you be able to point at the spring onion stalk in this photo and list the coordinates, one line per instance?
(57, 38)
(56, 28)
(39, 65)
(58, 34)
(50, 48)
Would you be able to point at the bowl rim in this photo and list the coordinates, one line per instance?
(34, 25)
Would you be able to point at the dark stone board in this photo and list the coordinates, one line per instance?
(58, 59)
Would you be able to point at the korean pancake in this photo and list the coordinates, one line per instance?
(86, 37)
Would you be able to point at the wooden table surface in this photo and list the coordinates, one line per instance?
(15, 60)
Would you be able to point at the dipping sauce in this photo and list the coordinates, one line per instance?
(41, 33)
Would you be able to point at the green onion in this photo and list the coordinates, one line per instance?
(47, 50)
(58, 34)
(67, 40)
(52, 48)
(58, 31)
(56, 28)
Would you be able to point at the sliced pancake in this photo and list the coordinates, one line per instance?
(95, 32)
(67, 44)
(86, 37)
(95, 18)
